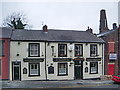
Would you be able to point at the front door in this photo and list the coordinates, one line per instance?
(78, 69)
(111, 69)
(16, 70)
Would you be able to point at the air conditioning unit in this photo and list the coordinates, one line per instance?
(71, 47)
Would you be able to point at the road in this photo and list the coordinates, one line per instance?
(60, 85)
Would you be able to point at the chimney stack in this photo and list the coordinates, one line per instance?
(114, 26)
(103, 21)
(45, 28)
(89, 30)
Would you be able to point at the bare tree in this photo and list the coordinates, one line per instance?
(16, 20)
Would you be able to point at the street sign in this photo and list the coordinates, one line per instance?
(112, 56)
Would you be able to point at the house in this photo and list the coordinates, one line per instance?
(111, 38)
(50, 54)
(4, 52)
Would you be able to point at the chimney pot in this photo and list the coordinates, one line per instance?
(45, 28)
(89, 30)
(114, 26)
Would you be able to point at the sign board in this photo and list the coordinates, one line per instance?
(112, 56)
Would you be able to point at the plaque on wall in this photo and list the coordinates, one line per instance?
(51, 70)
(86, 69)
(24, 70)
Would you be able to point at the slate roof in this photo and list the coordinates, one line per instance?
(106, 33)
(5, 32)
(54, 35)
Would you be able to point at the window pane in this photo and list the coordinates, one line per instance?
(62, 68)
(93, 50)
(78, 50)
(1, 47)
(93, 67)
(34, 49)
(34, 68)
(62, 49)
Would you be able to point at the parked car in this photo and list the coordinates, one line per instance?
(116, 78)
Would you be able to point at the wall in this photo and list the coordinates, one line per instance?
(5, 59)
(22, 49)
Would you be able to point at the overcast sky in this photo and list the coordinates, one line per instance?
(64, 15)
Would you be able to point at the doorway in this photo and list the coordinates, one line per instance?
(16, 70)
(78, 69)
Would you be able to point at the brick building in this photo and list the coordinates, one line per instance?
(4, 52)
(112, 39)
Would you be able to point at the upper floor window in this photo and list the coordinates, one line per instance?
(111, 46)
(78, 50)
(2, 48)
(93, 50)
(34, 49)
(62, 50)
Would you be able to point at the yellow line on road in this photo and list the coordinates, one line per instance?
(84, 86)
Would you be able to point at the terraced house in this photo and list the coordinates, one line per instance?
(55, 55)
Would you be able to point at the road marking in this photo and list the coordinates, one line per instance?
(84, 86)
(77, 86)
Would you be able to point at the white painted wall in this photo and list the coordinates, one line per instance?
(22, 49)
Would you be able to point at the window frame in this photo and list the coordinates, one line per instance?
(66, 68)
(65, 51)
(2, 53)
(38, 68)
(96, 51)
(96, 68)
(38, 51)
(80, 50)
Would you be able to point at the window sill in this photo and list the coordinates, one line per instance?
(33, 56)
(78, 55)
(93, 73)
(62, 55)
(62, 74)
(33, 75)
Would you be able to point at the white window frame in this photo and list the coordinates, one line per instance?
(93, 67)
(34, 49)
(79, 50)
(34, 69)
(62, 69)
(93, 50)
(62, 50)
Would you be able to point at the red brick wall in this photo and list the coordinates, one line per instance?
(5, 60)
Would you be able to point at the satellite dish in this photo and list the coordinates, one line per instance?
(71, 47)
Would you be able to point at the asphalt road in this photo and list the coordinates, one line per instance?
(60, 85)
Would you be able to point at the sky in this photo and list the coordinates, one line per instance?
(65, 15)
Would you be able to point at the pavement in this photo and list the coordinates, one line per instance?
(52, 84)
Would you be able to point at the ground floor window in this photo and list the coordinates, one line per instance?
(34, 69)
(62, 69)
(93, 67)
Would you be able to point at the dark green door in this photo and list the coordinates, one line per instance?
(16, 73)
(78, 69)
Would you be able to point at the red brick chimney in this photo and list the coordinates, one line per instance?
(89, 30)
(45, 28)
